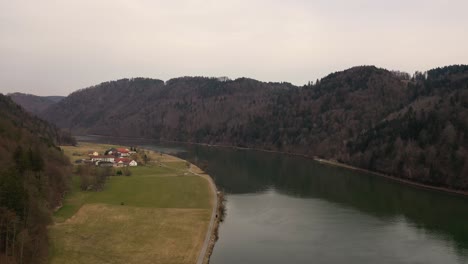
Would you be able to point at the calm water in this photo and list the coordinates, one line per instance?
(291, 210)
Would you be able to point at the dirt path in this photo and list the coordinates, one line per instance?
(210, 231)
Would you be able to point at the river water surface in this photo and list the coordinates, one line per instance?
(283, 209)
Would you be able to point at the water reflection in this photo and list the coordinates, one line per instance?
(240, 172)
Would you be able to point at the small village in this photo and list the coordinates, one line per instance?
(113, 157)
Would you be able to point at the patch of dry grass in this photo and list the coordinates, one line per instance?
(101, 233)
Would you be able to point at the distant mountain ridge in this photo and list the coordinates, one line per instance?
(33, 103)
(411, 127)
(55, 98)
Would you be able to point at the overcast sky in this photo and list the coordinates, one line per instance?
(55, 47)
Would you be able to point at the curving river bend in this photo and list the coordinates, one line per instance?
(283, 209)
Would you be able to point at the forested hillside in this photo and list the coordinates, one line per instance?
(411, 127)
(34, 175)
(34, 104)
(426, 140)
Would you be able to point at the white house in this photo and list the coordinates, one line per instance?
(121, 162)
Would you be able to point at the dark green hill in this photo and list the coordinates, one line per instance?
(34, 175)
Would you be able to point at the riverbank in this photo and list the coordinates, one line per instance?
(161, 213)
(217, 216)
(338, 164)
(401, 180)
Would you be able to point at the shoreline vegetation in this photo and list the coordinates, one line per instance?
(167, 212)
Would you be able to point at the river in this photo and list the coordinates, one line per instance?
(283, 209)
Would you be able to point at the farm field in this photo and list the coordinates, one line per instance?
(159, 214)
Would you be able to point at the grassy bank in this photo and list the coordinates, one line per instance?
(160, 214)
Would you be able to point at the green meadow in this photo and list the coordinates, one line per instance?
(159, 214)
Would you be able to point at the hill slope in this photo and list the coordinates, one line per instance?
(33, 177)
(336, 118)
(34, 104)
(427, 140)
